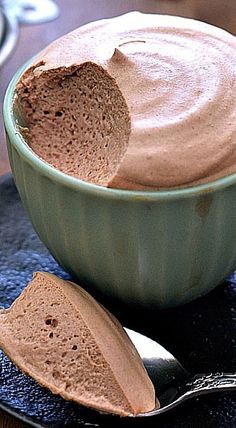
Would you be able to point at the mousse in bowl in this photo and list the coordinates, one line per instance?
(122, 142)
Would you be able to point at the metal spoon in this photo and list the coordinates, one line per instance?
(172, 383)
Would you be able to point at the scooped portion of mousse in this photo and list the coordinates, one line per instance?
(135, 102)
(59, 335)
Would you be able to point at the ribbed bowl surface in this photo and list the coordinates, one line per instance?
(151, 248)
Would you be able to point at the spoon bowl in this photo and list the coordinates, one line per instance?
(172, 383)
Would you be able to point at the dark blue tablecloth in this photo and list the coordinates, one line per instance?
(202, 335)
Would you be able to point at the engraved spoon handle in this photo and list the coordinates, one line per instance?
(197, 385)
(202, 384)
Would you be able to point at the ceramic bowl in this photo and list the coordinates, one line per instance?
(154, 249)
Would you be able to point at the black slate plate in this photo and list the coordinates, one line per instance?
(202, 335)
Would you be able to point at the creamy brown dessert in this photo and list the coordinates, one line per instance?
(58, 334)
(135, 102)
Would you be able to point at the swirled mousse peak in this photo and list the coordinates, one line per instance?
(135, 102)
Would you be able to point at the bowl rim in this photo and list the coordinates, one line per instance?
(17, 140)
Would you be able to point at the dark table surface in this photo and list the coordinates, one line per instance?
(74, 13)
(202, 336)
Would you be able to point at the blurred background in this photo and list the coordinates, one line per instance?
(26, 26)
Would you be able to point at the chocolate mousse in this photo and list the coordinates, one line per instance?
(58, 334)
(135, 102)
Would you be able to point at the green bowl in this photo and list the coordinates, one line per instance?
(157, 249)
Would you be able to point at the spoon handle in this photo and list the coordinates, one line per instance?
(202, 384)
(197, 385)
